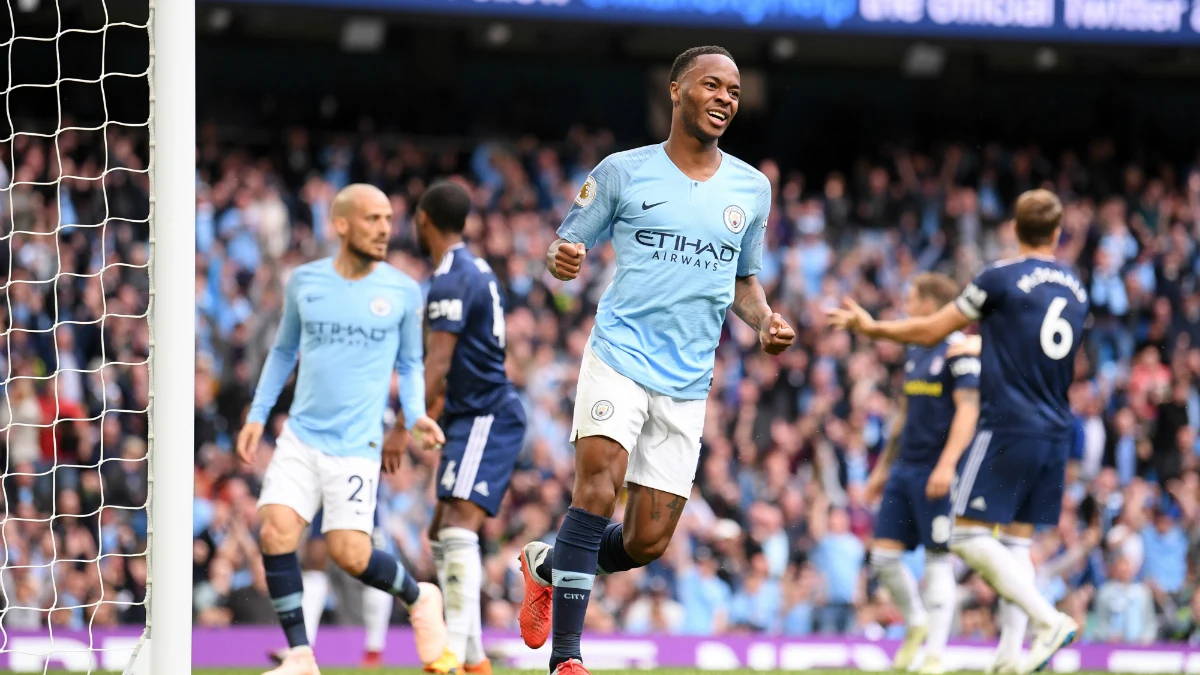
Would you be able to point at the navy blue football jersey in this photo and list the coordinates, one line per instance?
(1031, 313)
(466, 299)
(930, 381)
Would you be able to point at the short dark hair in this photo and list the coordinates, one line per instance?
(447, 205)
(684, 60)
(1038, 213)
(939, 288)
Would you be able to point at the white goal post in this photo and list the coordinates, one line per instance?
(79, 175)
(173, 335)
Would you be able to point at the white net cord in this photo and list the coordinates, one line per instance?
(75, 341)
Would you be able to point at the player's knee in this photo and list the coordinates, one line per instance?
(598, 495)
(280, 532)
(351, 553)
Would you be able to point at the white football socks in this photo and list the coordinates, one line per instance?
(312, 603)
(1000, 568)
(461, 574)
(377, 614)
(898, 580)
(941, 596)
(1013, 621)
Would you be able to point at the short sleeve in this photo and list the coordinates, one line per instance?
(446, 308)
(964, 372)
(595, 205)
(982, 295)
(750, 258)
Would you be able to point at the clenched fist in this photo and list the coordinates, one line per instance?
(564, 259)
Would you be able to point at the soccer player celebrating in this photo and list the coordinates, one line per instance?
(935, 425)
(686, 221)
(484, 419)
(1031, 311)
(353, 320)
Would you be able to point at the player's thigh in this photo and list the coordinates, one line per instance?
(1041, 502)
(668, 450)
(479, 456)
(990, 480)
(348, 490)
(292, 481)
(897, 517)
(608, 404)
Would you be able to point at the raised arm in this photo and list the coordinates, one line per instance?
(925, 330)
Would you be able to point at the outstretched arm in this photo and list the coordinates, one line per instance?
(750, 305)
(922, 330)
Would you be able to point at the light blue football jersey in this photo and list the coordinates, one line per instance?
(348, 337)
(680, 244)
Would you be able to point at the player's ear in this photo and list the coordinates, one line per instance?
(341, 226)
(675, 93)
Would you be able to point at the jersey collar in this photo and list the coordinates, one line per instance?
(443, 265)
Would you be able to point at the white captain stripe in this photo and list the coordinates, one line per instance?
(472, 456)
(966, 482)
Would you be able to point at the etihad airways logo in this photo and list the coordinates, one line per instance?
(684, 250)
(333, 332)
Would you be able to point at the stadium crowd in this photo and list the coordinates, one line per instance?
(774, 537)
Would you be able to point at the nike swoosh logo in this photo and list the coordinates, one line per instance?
(312, 298)
(574, 578)
(647, 207)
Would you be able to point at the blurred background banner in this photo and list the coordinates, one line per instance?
(1123, 21)
(247, 647)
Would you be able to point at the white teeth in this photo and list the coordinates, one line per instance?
(716, 115)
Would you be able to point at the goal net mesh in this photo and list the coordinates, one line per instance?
(76, 345)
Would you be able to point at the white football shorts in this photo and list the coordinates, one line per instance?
(661, 434)
(305, 479)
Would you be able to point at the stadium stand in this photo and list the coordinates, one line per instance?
(777, 528)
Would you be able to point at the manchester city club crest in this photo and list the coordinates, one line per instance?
(936, 366)
(735, 218)
(602, 410)
(381, 307)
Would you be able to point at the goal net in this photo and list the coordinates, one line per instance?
(79, 243)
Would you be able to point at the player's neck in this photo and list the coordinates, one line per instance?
(437, 249)
(352, 266)
(695, 158)
(1027, 251)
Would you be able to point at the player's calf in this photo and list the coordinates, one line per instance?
(278, 538)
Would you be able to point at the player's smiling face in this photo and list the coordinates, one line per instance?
(707, 96)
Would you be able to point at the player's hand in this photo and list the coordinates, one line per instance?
(775, 335)
(972, 345)
(394, 446)
(428, 434)
(248, 440)
(939, 482)
(874, 491)
(565, 260)
(850, 317)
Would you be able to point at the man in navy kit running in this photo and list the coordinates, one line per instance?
(1031, 310)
